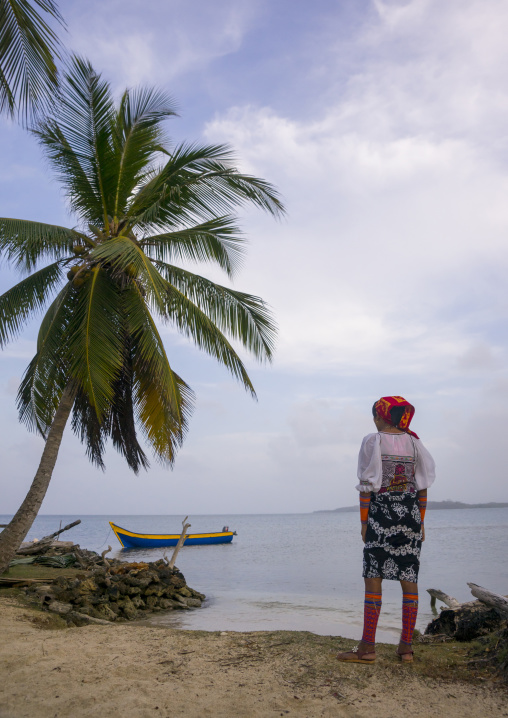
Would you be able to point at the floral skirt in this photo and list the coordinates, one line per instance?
(394, 537)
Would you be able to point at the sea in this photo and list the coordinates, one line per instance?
(303, 571)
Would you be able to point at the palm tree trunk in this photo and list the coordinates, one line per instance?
(12, 536)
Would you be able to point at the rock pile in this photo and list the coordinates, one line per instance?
(118, 592)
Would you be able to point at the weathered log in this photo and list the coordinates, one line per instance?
(79, 558)
(180, 543)
(15, 582)
(103, 556)
(88, 619)
(491, 599)
(466, 621)
(441, 596)
(45, 542)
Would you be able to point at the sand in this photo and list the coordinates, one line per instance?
(124, 671)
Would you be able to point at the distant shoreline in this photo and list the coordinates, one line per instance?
(430, 505)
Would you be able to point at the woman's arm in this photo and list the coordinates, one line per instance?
(364, 512)
(422, 502)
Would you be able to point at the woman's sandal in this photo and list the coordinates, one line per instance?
(356, 656)
(406, 657)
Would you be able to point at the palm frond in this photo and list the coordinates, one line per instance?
(218, 240)
(21, 301)
(163, 401)
(137, 136)
(28, 48)
(118, 423)
(89, 429)
(95, 340)
(25, 243)
(125, 256)
(121, 424)
(244, 317)
(71, 172)
(200, 182)
(47, 374)
(76, 138)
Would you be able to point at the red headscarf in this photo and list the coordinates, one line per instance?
(386, 403)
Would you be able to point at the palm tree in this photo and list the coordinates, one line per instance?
(28, 49)
(141, 205)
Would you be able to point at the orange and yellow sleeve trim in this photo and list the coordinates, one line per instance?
(422, 502)
(364, 507)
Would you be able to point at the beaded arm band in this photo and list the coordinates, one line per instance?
(422, 501)
(364, 506)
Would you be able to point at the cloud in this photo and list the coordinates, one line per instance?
(397, 211)
(163, 42)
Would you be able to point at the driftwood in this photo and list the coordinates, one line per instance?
(466, 621)
(491, 599)
(180, 543)
(15, 582)
(103, 556)
(444, 597)
(44, 543)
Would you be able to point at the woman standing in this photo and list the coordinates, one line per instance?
(395, 471)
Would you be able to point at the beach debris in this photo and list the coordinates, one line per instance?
(39, 546)
(180, 543)
(104, 589)
(435, 593)
(111, 590)
(470, 620)
(500, 603)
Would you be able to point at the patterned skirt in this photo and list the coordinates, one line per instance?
(394, 537)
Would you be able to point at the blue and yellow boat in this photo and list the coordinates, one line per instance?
(130, 539)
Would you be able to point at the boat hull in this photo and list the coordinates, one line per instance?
(130, 539)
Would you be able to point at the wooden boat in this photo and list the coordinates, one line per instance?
(130, 539)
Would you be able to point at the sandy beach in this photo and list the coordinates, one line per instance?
(132, 670)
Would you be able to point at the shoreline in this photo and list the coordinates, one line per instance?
(131, 670)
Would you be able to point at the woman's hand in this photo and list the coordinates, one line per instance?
(423, 533)
(364, 532)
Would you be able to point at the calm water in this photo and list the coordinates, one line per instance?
(303, 571)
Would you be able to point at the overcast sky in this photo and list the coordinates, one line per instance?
(383, 124)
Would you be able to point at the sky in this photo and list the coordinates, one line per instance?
(383, 125)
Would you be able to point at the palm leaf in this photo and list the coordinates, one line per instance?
(126, 256)
(47, 374)
(71, 172)
(95, 340)
(118, 423)
(244, 317)
(28, 48)
(76, 138)
(217, 240)
(198, 182)
(137, 136)
(163, 401)
(27, 297)
(25, 243)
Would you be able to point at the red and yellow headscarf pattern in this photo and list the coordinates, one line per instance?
(386, 403)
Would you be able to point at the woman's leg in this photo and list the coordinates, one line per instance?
(366, 651)
(409, 614)
(371, 611)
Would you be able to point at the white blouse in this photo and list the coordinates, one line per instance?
(370, 465)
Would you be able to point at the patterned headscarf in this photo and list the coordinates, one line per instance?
(386, 403)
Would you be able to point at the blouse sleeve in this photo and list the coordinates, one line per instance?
(369, 464)
(425, 473)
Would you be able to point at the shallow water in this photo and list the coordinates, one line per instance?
(303, 571)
